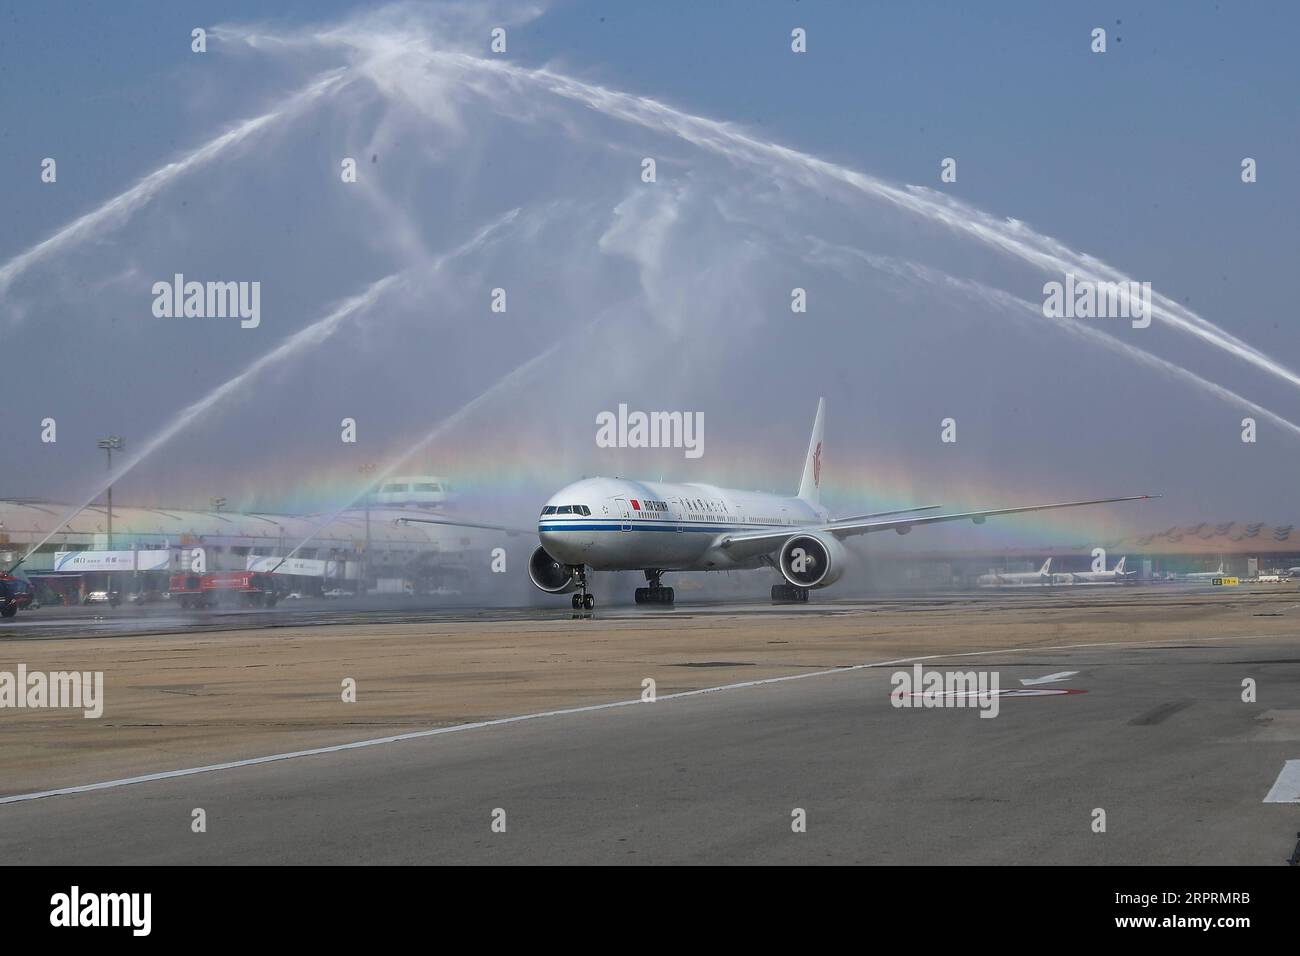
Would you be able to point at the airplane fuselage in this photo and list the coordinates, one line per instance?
(618, 524)
(1116, 575)
(1014, 579)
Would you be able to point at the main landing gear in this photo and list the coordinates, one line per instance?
(582, 601)
(789, 594)
(656, 593)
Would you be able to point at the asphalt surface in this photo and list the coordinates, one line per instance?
(1160, 740)
(99, 621)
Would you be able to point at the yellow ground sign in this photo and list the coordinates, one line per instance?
(1225, 582)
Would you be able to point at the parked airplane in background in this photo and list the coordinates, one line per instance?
(1002, 579)
(1117, 575)
(616, 524)
(1204, 575)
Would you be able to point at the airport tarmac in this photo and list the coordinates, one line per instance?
(782, 709)
(130, 620)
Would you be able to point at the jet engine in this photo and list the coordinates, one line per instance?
(812, 560)
(550, 575)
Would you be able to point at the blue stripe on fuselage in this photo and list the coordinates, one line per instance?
(617, 525)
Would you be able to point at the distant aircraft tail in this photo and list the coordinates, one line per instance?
(810, 485)
(1046, 568)
(1119, 566)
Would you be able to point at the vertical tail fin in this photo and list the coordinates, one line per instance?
(1119, 566)
(1046, 568)
(810, 485)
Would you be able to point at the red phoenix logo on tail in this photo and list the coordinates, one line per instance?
(817, 465)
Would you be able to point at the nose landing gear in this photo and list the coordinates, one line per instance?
(582, 601)
(655, 593)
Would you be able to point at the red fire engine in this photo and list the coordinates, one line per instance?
(241, 588)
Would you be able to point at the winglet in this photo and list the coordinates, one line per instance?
(810, 485)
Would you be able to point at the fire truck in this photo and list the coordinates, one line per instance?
(224, 589)
(15, 593)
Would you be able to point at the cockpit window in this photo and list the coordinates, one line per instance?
(564, 510)
(548, 510)
(583, 509)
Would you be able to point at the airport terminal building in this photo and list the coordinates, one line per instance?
(364, 548)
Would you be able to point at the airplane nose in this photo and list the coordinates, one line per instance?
(567, 547)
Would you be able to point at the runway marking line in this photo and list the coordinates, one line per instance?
(1005, 693)
(1049, 679)
(587, 709)
(1286, 789)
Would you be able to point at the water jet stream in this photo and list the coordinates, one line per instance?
(118, 209)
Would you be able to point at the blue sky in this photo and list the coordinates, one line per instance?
(1131, 156)
(1040, 125)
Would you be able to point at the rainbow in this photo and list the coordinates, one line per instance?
(506, 475)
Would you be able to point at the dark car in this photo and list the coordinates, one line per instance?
(15, 593)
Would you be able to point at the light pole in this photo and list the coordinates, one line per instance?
(366, 471)
(109, 444)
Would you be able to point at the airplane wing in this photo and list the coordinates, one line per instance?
(759, 542)
(466, 524)
(886, 514)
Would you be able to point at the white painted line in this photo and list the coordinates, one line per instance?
(1286, 789)
(591, 708)
(1049, 679)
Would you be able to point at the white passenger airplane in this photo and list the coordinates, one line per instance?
(1117, 575)
(999, 579)
(1204, 575)
(617, 524)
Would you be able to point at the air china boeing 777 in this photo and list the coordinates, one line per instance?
(616, 524)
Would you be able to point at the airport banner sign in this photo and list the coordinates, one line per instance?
(306, 567)
(68, 561)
